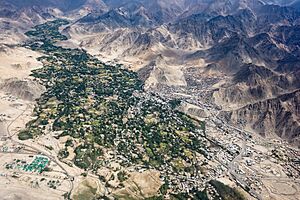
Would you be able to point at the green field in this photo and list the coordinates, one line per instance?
(106, 107)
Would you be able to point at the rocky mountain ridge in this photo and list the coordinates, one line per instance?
(253, 45)
(277, 116)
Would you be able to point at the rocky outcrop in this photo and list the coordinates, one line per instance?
(279, 116)
(25, 89)
(253, 44)
(254, 83)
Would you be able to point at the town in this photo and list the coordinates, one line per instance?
(103, 118)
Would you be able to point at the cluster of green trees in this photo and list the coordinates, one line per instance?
(94, 102)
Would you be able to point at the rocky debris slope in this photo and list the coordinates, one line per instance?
(25, 89)
(280, 115)
(252, 46)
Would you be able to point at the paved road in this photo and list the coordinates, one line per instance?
(231, 167)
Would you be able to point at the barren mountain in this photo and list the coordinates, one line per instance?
(278, 116)
(24, 89)
(150, 99)
(254, 45)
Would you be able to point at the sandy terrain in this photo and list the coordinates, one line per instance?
(17, 62)
(283, 190)
(3, 130)
(12, 108)
(87, 188)
(141, 185)
(19, 184)
(12, 190)
(12, 32)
